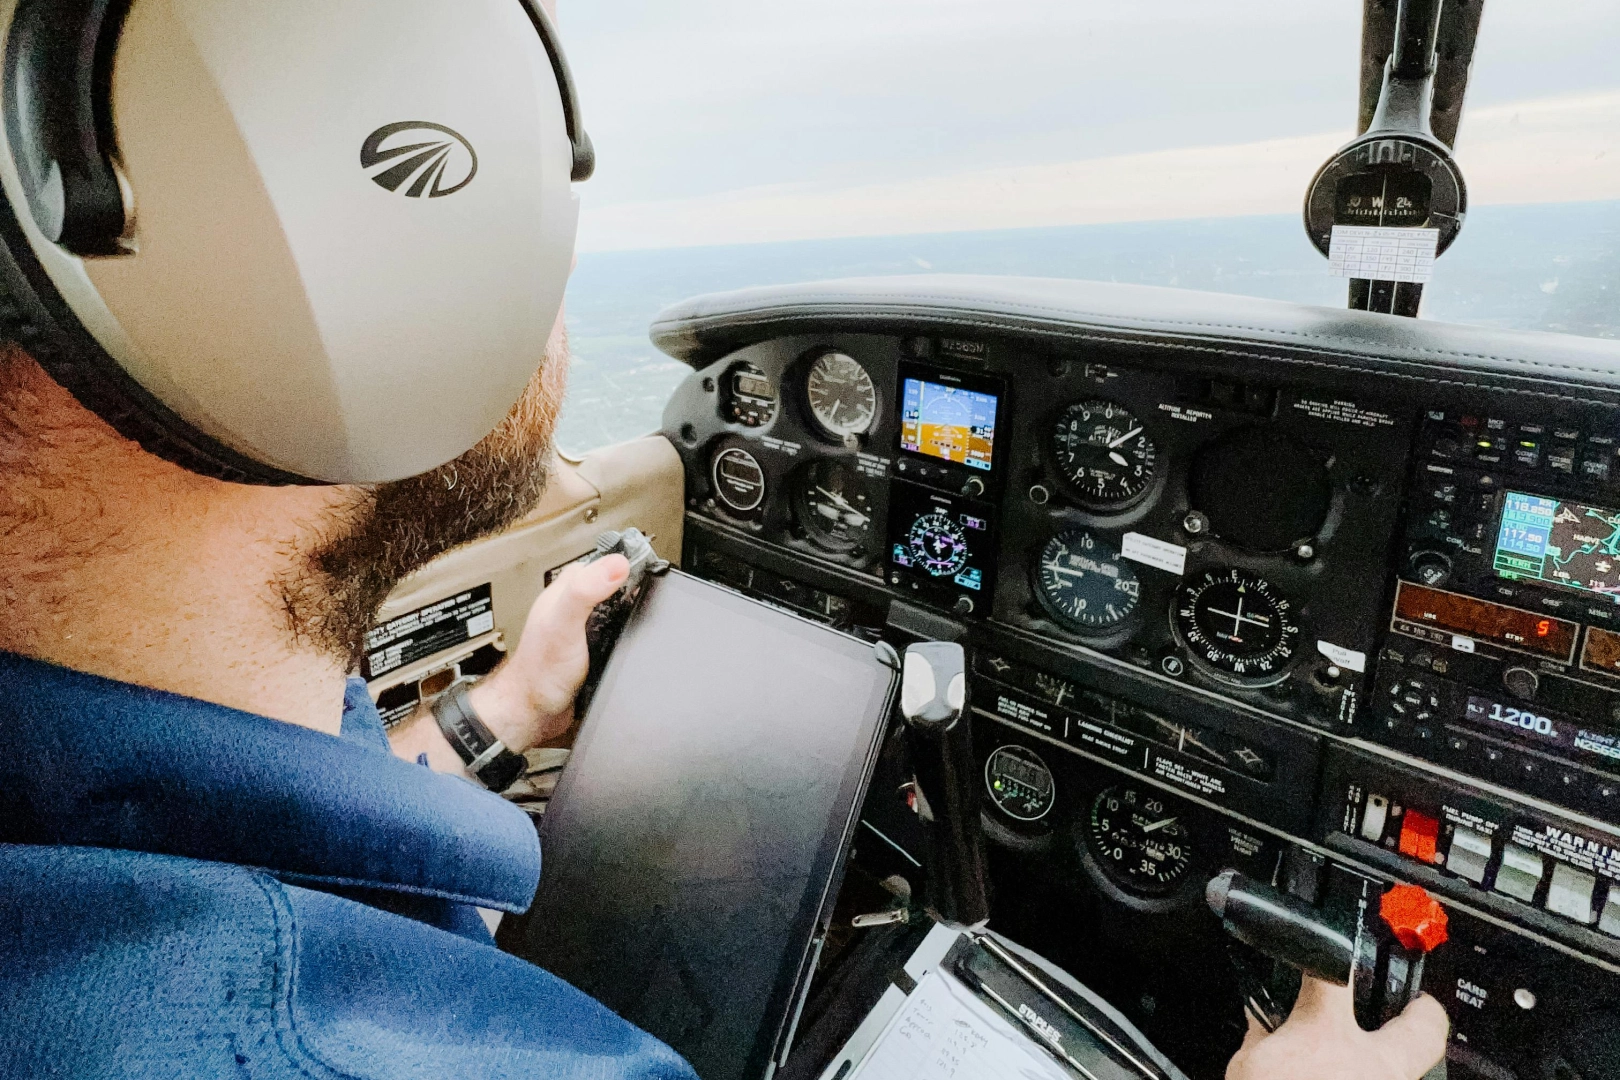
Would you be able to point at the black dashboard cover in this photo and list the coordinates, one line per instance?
(693, 844)
(1242, 334)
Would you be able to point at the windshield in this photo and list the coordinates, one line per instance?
(748, 142)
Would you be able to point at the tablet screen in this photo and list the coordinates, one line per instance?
(693, 839)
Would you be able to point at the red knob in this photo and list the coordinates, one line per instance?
(1417, 918)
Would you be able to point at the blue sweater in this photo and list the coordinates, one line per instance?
(191, 891)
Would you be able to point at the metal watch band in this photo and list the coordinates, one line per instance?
(486, 757)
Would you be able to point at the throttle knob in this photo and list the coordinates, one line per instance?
(1415, 917)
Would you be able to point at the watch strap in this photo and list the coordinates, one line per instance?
(486, 757)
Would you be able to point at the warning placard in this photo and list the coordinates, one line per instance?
(428, 630)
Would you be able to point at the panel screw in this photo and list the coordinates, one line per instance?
(1524, 999)
(1305, 551)
(590, 514)
(1194, 523)
(1039, 495)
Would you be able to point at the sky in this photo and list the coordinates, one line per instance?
(743, 121)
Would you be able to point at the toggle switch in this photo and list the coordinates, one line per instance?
(1470, 854)
(1419, 834)
(1520, 872)
(1374, 817)
(1570, 893)
(1609, 921)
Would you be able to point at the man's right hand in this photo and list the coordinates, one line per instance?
(1321, 1041)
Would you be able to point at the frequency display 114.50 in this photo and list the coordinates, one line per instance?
(1559, 542)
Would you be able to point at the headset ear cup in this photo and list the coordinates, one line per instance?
(78, 363)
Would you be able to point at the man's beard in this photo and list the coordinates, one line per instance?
(337, 584)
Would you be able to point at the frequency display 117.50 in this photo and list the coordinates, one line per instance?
(1559, 542)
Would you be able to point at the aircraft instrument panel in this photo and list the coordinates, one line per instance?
(1235, 604)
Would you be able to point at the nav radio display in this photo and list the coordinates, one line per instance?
(951, 423)
(1560, 543)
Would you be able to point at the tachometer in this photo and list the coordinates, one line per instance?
(1138, 840)
(1100, 449)
(939, 545)
(1237, 624)
(841, 395)
(1084, 583)
(834, 507)
(1019, 783)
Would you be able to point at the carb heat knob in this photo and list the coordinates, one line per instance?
(1415, 918)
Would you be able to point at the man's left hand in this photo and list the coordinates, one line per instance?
(529, 698)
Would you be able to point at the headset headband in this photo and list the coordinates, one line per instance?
(274, 376)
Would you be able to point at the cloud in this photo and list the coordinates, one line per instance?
(1561, 149)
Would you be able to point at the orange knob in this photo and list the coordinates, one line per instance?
(1416, 918)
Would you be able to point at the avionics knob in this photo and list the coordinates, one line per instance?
(1415, 917)
(974, 486)
(1430, 567)
(1521, 682)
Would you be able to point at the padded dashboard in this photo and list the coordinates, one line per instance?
(1322, 595)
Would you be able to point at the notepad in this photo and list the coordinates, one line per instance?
(945, 1032)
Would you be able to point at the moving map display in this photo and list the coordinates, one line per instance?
(1559, 542)
(951, 423)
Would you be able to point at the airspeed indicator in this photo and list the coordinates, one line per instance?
(1084, 583)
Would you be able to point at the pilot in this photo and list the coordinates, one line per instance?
(211, 864)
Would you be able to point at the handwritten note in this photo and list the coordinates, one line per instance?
(944, 1031)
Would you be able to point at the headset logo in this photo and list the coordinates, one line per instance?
(429, 161)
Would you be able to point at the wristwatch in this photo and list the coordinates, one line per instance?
(487, 758)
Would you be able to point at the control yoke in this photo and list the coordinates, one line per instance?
(934, 703)
(1381, 960)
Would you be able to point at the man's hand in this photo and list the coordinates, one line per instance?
(530, 697)
(1321, 1041)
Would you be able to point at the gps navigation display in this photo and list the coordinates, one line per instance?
(951, 423)
(1559, 542)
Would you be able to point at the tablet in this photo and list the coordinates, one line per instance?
(693, 846)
